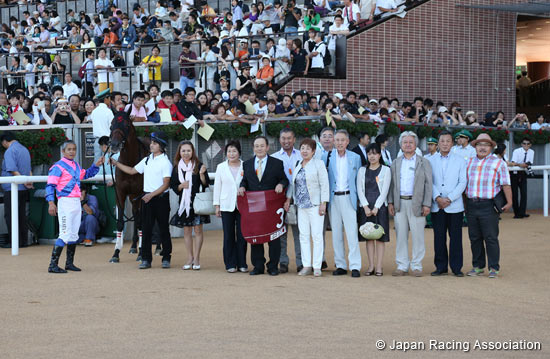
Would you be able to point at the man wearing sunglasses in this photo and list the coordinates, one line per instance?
(521, 157)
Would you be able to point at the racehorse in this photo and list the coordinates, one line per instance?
(124, 139)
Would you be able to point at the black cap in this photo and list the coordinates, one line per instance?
(160, 138)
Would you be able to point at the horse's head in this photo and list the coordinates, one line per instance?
(120, 129)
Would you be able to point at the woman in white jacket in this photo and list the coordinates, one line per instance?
(373, 184)
(309, 189)
(227, 181)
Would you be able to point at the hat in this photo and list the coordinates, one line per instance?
(442, 109)
(465, 134)
(373, 101)
(262, 98)
(61, 99)
(243, 41)
(431, 140)
(245, 65)
(470, 113)
(35, 13)
(224, 33)
(339, 95)
(266, 57)
(160, 138)
(483, 137)
(103, 94)
(391, 109)
(223, 78)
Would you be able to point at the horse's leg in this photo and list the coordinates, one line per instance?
(135, 235)
(119, 235)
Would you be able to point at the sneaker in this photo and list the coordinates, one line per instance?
(417, 273)
(231, 270)
(317, 273)
(475, 272)
(493, 273)
(106, 240)
(243, 269)
(165, 264)
(305, 271)
(88, 243)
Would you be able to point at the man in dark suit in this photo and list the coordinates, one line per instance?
(361, 148)
(261, 173)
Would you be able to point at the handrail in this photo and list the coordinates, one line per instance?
(15, 181)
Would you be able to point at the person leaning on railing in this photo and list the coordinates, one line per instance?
(105, 67)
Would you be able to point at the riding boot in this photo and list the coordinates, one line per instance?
(54, 268)
(71, 248)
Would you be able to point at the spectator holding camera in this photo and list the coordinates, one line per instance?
(291, 16)
(521, 157)
(312, 19)
(520, 121)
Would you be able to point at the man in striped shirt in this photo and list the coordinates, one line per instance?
(487, 175)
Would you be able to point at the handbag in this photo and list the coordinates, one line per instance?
(372, 231)
(292, 215)
(499, 201)
(203, 204)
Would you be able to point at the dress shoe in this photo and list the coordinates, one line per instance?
(305, 271)
(283, 268)
(187, 266)
(458, 274)
(256, 271)
(437, 273)
(273, 272)
(324, 265)
(340, 271)
(526, 215)
(145, 265)
(399, 273)
(518, 217)
(165, 264)
(299, 268)
(417, 273)
(355, 273)
(196, 267)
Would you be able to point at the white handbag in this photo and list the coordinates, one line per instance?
(292, 215)
(203, 204)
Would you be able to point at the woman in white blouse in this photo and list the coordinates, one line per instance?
(373, 184)
(227, 181)
(309, 189)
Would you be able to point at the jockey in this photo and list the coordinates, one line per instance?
(64, 181)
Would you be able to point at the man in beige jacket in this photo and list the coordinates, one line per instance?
(409, 201)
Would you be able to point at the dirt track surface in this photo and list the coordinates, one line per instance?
(117, 311)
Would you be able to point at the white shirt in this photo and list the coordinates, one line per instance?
(386, 157)
(363, 149)
(386, 4)
(101, 118)
(157, 168)
(289, 162)
(257, 164)
(70, 89)
(537, 126)
(518, 156)
(102, 73)
(407, 176)
(260, 110)
(317, 61)
(333, 27)
(342, 175)
(351, 13)
(464, 152)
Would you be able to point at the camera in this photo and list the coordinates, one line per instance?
(458, 109)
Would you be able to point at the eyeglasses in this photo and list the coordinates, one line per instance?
(526, 143)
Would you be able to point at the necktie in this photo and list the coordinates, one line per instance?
(525, 158)
(259, 170)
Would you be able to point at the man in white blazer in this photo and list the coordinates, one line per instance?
(342, 175)
(226, 184)
(449, 182)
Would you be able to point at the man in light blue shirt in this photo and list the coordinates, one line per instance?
(17, 162)
(290, 157)
(449, 182)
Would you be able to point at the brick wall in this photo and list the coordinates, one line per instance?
(438, 50)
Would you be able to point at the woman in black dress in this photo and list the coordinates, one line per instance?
(373, 184)
(189, 177)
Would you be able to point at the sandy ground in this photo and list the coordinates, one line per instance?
(117, 311)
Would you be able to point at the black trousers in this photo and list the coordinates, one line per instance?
(158, 209)
(519, 187)
(88, 89)
(258, 258)
(443, 223)
(483, 231)
(234, 245)
(23, 197)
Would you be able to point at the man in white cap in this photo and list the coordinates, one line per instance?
(488, 191)
(373, 107)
